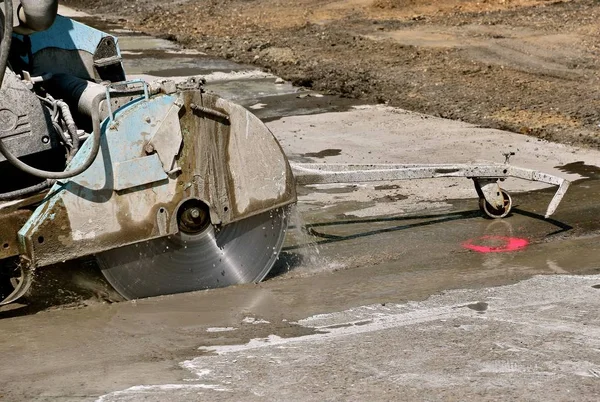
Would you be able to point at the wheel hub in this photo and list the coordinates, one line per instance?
(193, 217)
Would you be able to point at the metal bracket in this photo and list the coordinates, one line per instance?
(23, 284)
(117, 87)
(489, 189)
(167, 139)
(320, 173)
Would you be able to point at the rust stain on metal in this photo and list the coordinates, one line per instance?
(10, 224)
(53, 238)
(206, 161)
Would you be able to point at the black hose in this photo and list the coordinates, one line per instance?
(66, 174)
(6, 38)
(13, 195)
(68, 118)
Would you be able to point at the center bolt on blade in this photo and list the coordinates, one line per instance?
(193, 216)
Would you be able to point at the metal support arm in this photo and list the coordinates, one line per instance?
(319, 173)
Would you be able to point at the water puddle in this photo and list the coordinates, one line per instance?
(324, 153)
(386, 187)
(329, 189)
(130, 43)
(391, 198)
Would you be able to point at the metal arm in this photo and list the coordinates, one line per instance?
(319, 173)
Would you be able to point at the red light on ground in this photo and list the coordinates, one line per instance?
(501, 244)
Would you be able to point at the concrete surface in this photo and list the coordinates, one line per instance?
(489, 344)
(376, 295)
(380, 134)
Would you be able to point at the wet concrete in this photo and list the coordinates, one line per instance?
(357, 273)
(387, 304)
(143, 342)
(323, 153)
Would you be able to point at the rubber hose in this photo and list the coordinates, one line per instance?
(71, 127)
(6, 38)
(66, 174)
(13, 195)
(74, 140)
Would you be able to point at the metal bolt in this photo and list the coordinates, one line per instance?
(507, 156)
(148, 119)
(45, 139)
(195, 213)
(149, 148)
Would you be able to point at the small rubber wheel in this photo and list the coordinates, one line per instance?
(493, 212)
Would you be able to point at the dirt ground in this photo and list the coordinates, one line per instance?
(529, 66)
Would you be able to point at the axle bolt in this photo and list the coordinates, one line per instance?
(193, 216)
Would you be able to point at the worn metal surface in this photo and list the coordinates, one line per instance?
(560, 193)
(25, 124)
(318, 173)
(85, 215)
(167, 139)
(236, 167)
(70, 47)
(489, 190)
(241, 252)
(137, 172)
(13, 215)
(22, 284)
(10, 223)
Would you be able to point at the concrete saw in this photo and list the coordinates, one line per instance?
(171, 188)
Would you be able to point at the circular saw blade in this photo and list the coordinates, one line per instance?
(240, 252)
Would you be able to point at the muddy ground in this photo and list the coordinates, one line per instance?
(523, 65)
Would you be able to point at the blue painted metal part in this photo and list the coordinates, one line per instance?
(137, 172)
(68, 34)
(90, 211)
(126, 139)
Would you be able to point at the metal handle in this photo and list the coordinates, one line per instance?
(115, 89)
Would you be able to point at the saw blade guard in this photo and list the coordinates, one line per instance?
(157, 153)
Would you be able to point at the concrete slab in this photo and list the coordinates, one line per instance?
(381, 134)
(357, 309)
(464, 345)
(70, 13)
